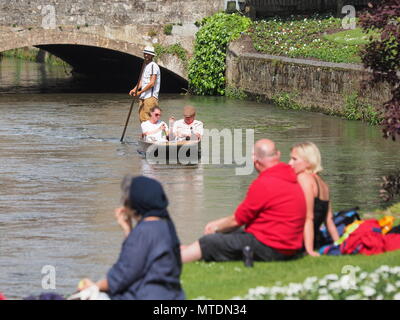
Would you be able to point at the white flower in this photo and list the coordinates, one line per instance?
(323, 291)
(397, 284)
(325, 297)
(322, 282)
(354, 297)
(346, 282)
(368, 291)
(291, 298)
(396, 296)
(363, 275)
(294, 288)
(383, 269)
(331, 277)
(374, 277)
(258, 291)
(390, 288)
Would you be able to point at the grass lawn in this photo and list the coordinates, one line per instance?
(226, 280)
(317, 37)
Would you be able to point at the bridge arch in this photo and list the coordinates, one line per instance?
(83, 50)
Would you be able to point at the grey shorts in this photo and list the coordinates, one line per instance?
(229, 247)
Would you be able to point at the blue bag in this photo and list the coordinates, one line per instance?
(341, 219)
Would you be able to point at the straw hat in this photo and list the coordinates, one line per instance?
(149, 50)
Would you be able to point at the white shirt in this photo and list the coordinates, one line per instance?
(149, 70)
(181, 129)
(155, 137)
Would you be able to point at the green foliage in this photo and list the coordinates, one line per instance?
(207, 67)
(22, 53)
(175, 49)
(286, 100)
(235, 93)
(30, 54)
(297, 36)
(356, 109)
(168, 29)
(152, 33)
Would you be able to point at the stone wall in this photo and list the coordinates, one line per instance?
(106, 12)
(121, 25)
(314, 84)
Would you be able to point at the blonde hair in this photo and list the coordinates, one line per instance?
(309, 152)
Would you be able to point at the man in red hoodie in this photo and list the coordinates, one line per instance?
(273, 215)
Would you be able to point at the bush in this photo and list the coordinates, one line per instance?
(207, 67)
(168, 29)
(355, 109)
(285, 100)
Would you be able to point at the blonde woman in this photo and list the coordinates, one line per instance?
(305, 159)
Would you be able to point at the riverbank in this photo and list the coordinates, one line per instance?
(339, 89)
(231, 279)
(34, 54)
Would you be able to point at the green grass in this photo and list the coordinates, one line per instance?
(350, 37)
(226, 280)
(308, 37)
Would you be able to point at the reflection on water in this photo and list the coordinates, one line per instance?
(61, 165)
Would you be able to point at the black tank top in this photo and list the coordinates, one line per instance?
(321, 208)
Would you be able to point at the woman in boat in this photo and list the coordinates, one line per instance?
(154, 130)
(305, 159)
(149, 265)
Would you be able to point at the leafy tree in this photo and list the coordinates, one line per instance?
(382, 55)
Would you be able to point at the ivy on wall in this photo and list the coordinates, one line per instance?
(207, 66)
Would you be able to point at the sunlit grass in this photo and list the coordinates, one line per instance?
(226, 280)
(350, 37)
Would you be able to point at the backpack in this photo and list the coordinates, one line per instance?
(341, 220)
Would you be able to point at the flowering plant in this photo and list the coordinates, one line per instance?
(381, 284)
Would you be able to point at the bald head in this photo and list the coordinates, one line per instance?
(266, 154)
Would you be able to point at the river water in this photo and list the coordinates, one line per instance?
(61, 165)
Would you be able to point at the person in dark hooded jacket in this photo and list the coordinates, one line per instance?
(149, 265)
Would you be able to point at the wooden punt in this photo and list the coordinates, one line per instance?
(183, 152)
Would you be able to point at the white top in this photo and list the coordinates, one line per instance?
(155, 137)
(149, 70)
(181, 129)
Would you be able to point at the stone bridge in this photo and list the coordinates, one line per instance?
(104, 35)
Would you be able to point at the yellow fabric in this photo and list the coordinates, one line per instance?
(386, 223)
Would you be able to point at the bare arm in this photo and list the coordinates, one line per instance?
(225, 224)
(330, 225)
(134, 91)
(305, 181)
(103, 285)
(160, 128)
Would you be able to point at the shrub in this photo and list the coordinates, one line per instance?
(168, 29)
(207, 67)
(355, 109)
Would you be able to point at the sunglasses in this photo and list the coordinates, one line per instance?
(157, 114)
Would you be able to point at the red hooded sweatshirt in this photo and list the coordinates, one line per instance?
(274, 209)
